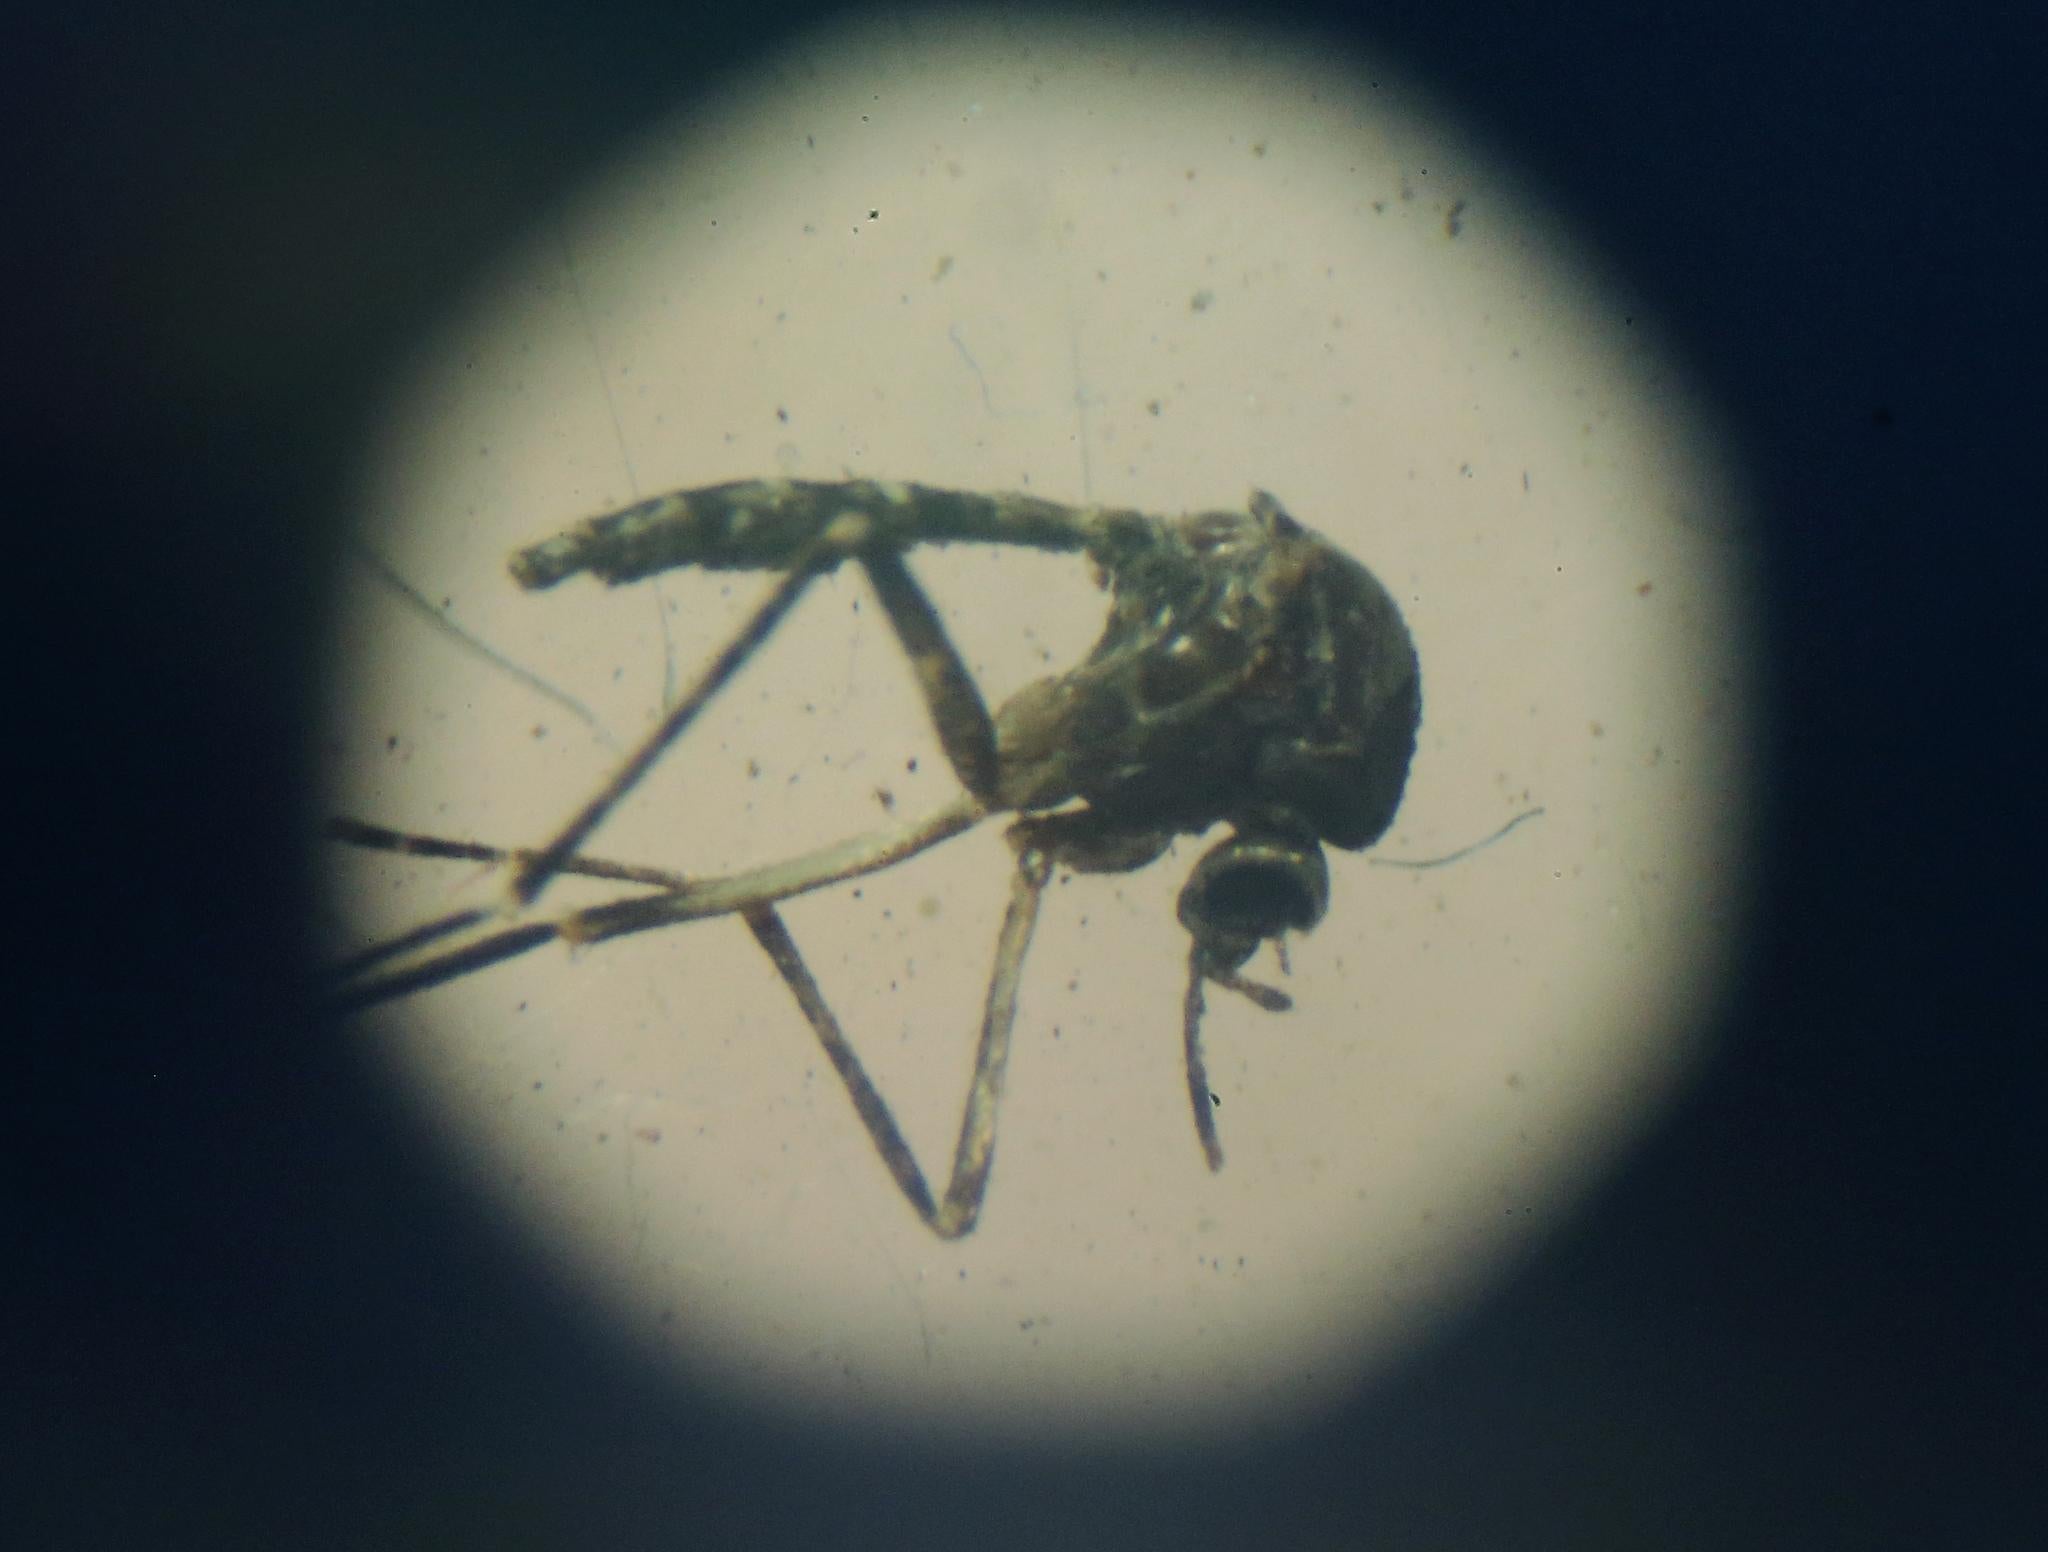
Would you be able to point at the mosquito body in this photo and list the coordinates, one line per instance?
(1250, 675)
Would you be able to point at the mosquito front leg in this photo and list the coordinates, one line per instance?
(975, 1153)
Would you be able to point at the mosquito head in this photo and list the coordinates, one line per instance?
(1256, 885)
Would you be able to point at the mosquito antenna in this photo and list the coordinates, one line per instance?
(1416, 864)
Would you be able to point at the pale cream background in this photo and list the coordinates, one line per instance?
(1108, 264)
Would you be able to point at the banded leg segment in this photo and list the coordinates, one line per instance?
(678, 900)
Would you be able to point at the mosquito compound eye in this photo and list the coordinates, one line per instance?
(1254, 887)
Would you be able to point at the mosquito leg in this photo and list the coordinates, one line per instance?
(958, 712)
(477, 954)
(533, 874)
(976, 1152)
(358, 965)
(353, 832)
(766, 924)
(680, 899)
(704, 897)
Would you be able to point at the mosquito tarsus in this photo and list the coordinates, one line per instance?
(1250, 674)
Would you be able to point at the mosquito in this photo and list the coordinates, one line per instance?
(1250, 674)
